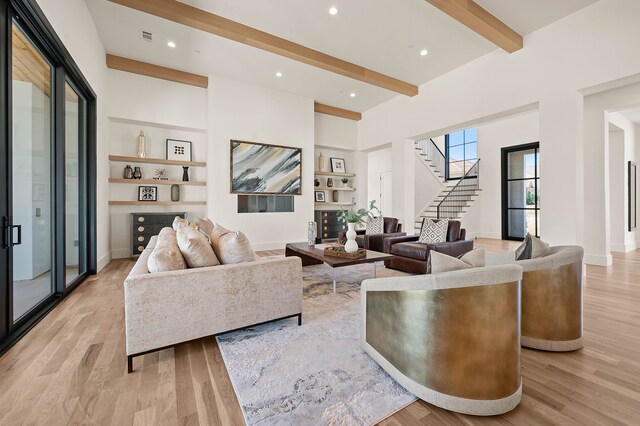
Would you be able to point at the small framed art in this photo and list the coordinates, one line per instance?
(147, 193)
(178, 150)
(337, 165)
(320, 197)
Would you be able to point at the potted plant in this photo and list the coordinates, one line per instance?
(345, 181)
(353, 218)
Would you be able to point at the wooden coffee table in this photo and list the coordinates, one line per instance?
(311, 255)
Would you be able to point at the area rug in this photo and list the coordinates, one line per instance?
(315, 374)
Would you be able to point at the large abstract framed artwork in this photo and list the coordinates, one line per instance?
(258, 168)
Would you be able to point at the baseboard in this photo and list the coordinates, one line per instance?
(598, 259)
(120, 253)
(104, 261)
(623, 248)
(479, 234)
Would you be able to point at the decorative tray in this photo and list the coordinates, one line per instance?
(338, 251)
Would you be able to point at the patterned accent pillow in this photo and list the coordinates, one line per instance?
(433, 232)
(523, 252)
(375, 226)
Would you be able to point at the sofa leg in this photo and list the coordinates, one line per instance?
(299, 319)
(129, 363)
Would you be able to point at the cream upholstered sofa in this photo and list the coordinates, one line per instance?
(452, 339)
(551, 297)
(167, 308)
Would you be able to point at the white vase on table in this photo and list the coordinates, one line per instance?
(351, 246)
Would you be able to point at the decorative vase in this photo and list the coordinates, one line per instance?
(142, 145)
(312, 232)
(137, 174)
(351, 246)
(335, 196)
(175, 192)
(316, 182)
(321, 163)
(329, 183)
(128, 172)
(185, 173)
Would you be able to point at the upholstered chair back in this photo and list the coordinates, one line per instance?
(390, 225)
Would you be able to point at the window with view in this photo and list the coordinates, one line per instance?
(461, 151)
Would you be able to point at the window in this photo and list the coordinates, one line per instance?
(461, 151)
(520, 191)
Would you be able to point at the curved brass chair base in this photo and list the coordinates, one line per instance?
(474, 407)
(551, 345)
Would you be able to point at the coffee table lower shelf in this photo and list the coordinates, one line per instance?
(312, 255)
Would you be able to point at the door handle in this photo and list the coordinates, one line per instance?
(19, 235)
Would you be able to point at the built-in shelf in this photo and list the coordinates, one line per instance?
(156, 182)
(335, 174)
(330, 203)
(125, 159)
(156, 203)
(334, 188)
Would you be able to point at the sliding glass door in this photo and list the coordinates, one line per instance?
(47, 165)
(520, 191)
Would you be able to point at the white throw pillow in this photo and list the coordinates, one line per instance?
(195, 248)
(440, 262)
(178, 222)
(231, 247)
(433, 232)
(165, 259)
(204, 225)
(375, 226)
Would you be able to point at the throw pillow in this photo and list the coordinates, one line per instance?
(440, 262)
(231, 247)
(178, 222)
(204, 225)
(538, 248)
(433, 232)
(165, 260)
(524, 250)
(195, 248)
(166, 237)
(375, 226)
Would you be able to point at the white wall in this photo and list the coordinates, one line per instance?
(379, 161)
(556, 63)
(73, 24)
(163, 110)
(335, 132)
(251, 113)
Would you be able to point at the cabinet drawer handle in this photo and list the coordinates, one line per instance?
(325, 228)
(325, 221)
(140, 248)
(325, 215)
(140, 228)
(141, 238)
(141, 219)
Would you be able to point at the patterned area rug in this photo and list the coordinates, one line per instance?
(317, 373)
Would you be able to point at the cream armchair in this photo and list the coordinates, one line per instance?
(551, 298)
(452, 339)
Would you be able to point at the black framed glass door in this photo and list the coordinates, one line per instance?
(47, 164)
(520, 191)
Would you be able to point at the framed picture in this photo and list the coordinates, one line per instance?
(632, 196)
(320, 197)
(258, 168)
(337, 165)
(147, 193)
(178, 150)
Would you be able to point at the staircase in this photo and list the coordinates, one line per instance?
(456, 196)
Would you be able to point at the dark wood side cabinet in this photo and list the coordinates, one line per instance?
(328, 225)
(146, 225)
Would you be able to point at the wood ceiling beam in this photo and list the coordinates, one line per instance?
(474, 16)
(202, 20)
(337, 112)
(156, 71)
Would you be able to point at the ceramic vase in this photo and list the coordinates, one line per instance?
(335, 196)
(312, 232)
(351, 246)
(321, 163)
(185, 173)
(137, 174)
(142, 145)
(329, 183)
(175, 193)
(128, 172)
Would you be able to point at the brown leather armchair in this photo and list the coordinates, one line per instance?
(411, 256)
(375, 242)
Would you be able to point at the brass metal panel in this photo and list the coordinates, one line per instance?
(463, 342)
(552, 303)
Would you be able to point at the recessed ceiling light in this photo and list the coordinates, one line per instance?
(353, 95)
(278, 74)
(424, 52)
(333, 11)
(171, 44)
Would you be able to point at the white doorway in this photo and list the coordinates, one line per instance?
(386, 193)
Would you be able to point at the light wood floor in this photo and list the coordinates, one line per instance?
(71, 367)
